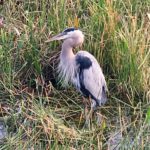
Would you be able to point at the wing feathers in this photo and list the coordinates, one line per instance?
(92, 80)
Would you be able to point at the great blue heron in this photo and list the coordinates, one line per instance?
(81, 69)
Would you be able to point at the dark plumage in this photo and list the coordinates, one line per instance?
(69, 30)
(83, 62)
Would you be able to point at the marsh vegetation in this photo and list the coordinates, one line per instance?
(39, 113)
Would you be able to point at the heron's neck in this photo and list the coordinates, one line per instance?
(66, 52)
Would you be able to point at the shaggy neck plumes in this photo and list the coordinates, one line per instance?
(66, 66)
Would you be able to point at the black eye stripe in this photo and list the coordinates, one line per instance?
(70, 29)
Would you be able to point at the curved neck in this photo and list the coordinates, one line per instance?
(66, 52)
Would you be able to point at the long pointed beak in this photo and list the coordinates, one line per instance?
(60, 36)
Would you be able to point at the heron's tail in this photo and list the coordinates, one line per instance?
(104, 95)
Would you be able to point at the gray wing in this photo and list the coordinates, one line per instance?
(90, 76)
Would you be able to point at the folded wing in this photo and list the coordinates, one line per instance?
(91, 79)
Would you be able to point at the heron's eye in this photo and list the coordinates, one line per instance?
(70, 29)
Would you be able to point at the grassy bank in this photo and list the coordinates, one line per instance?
(39, 113)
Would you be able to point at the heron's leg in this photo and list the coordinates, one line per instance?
(85, 106)
(84, 101)
(97, 113)
(89, 115)
(85, 112)
(99, 117)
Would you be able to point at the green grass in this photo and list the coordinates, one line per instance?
(46, 117)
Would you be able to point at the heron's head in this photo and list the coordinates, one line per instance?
(73, 36)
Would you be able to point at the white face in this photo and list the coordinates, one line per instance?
(76, 36)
